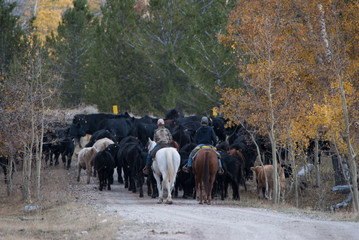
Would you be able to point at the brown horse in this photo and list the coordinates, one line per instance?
(205, 167)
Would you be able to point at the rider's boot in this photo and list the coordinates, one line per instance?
(187, 169)
(146, 169)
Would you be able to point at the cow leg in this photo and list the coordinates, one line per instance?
(89, 169)
(119, 175)
(64, 159)
(78, 174)
(133, 184)
(69, 156)
(100, 176)
(5, 173)
(57, 155)
(149, 187)
(140, 184)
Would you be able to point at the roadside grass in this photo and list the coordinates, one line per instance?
(62, 213)
(309, 199)
(59, 214)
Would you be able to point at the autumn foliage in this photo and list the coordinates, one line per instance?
(297, 61)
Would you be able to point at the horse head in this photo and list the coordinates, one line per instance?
(150, 144)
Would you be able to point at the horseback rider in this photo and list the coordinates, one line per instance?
(163, 138)
(205, 135)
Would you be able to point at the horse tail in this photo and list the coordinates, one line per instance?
(170, 172)
(206, 172)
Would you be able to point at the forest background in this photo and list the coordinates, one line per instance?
(287, 67)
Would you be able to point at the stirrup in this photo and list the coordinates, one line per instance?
(220, 171)
(186, 168)
(146, 170)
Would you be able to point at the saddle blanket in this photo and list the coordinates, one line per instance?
(198, 149)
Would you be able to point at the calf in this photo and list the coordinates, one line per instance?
(86, 161)
(261, 180)
(104, 164)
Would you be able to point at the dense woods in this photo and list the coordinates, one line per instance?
(289, 68)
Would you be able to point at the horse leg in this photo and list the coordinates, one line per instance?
(159, 187)
(169, 185)
(200, 192)
(211, 182)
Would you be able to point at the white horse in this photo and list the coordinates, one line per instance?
(166, 165)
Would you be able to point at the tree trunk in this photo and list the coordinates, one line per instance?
(351, 153)
(316, 161)
(9, 186)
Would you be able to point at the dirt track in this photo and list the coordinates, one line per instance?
(144, 218)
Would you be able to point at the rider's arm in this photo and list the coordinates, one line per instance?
(214, 137)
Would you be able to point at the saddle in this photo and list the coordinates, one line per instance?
(173, 144)
(198, 149)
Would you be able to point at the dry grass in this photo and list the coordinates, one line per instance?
(309, 200)
(60, 214)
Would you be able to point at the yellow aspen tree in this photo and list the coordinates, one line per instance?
(337, 28)
(255, 32)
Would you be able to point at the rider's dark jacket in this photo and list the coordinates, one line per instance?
(205, 135)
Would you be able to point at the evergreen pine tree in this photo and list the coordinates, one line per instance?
(117, 72)
(10, 35)
(71, 50)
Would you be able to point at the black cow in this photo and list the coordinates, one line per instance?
(233, 174)
(62, 145)
(181, 135)
(83, 124)
(58, 142)
(4, 164)
(143, 129)
(120, 127)
(131, 158)
(173, 114)
(185, 181)
(103, 133)
(218, 127)
(121, 146)
(104, 164)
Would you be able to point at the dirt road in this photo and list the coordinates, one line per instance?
(144, 218)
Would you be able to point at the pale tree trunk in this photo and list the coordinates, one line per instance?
(35, 9)
(351, 153)
(9, 186)
(27, 175)
(324, 35)
(29, 147)
(295, 179)
(272, 139)
(38, 168)
(40, 141)
(271, 127)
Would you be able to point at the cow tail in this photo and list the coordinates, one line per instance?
(206, 173)
(170, 172)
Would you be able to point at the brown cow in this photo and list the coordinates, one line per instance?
(261, 181)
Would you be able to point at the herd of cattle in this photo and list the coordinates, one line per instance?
(119, 142)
